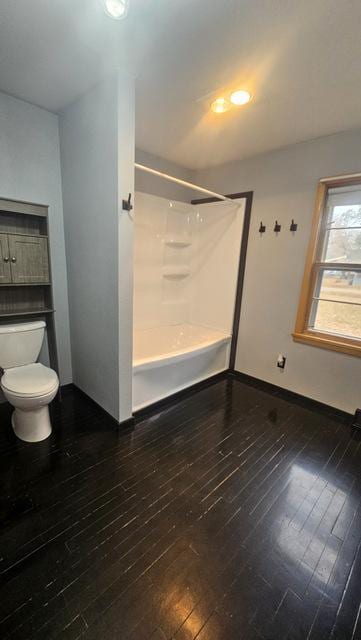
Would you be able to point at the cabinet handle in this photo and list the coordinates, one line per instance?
(13, 259)
(6, 259)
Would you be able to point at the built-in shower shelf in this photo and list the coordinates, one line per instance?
(178, 242)
(175, 273)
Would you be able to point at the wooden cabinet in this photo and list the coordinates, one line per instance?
(29, 262)
(5, 270)
(23, 259)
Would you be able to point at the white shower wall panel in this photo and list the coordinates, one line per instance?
(162, 258)
(186, 262)
(216, 251)
(150, 219)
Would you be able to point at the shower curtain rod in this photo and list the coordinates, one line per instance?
(184, 183)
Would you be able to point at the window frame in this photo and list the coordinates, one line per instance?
(302, 333)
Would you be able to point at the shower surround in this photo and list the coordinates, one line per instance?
(185, 276)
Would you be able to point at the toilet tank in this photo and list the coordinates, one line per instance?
(20, 344)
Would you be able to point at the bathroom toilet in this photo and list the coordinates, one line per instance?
(28, 385)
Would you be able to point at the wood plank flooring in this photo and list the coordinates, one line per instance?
(233, 514)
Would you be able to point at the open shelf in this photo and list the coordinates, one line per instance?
(25, 300)
(25, 312)
(31, 235)
(22, 313)
(25, 284)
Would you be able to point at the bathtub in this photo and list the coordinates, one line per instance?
(171, 358)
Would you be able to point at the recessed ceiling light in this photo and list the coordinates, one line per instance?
(240, 97)
(116, 9)
(220, 105)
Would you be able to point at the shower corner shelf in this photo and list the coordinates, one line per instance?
(177, 241)
(175, 273)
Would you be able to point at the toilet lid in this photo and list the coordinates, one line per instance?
(29, 380)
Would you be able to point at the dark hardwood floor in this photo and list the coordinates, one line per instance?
(233, 514)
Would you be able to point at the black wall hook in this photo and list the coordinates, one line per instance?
(262, 228)
(293, 226)
(277, 228)
(127, 206)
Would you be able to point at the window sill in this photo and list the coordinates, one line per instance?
(347, 345)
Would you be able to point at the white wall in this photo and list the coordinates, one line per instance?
(30, 170)
(97, 142)
(284, 184)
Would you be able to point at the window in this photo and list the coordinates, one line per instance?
(329, 313)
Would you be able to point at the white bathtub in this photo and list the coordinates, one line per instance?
(171, 358)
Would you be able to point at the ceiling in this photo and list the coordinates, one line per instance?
(300, 60)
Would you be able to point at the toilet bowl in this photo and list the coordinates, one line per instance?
(28, 385)
(30, 389)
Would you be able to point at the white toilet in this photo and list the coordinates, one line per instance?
(27, 384)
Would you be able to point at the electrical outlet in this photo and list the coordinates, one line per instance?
(281, 361)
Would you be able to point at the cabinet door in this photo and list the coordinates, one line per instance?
(5, 271)
(28, 259)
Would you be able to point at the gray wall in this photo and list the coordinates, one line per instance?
(100, 304)
(284, 184)
(30, 170)
(158, 186)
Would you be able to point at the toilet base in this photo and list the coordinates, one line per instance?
(32, 426)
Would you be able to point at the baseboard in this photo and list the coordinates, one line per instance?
(69, 385)
(125, 424)
(262, 385)
(155, 407)
(292, 396)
